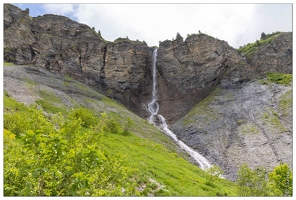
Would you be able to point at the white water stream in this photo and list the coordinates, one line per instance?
(160, 122)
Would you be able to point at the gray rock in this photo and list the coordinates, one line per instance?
(275, 56)
(236, 125)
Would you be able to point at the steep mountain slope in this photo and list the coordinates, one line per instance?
(118, 69)
(271, 53)
(57, 93)
(188, 70)
(210, 93)
(161, 164)
(250, 123)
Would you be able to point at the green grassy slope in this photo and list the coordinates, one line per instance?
(161, 166)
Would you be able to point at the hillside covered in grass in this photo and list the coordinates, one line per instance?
(88, 145)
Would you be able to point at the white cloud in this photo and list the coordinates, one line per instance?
(59, 9)
(237, 24)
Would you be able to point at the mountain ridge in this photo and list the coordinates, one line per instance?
(188, 71)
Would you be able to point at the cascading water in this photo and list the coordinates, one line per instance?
(160, 122)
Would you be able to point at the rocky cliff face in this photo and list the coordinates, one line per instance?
(189, 70)
(242, 116)
(250, 123)
(59, 44)
(274, 56)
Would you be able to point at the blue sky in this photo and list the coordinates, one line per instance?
(41, 9)
(238, 24)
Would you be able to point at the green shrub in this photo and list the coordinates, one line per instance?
(112, 125)
(257, 183)
(252, 182)
(45, 161)
(281, 180)
(21, 121)
(87, 117)
(127, 126)
(213, 175)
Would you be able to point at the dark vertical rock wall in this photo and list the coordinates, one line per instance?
(188, 70)
(117, 69)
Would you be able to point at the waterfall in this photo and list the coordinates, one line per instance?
(160, 122)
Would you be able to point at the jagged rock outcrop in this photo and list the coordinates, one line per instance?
(274, 56)
(126, 73)
(17, 35)
(59, 44)
(190, 70)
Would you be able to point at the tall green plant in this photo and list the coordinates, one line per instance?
(252, 182)
(87, 117)
(214, 173)
(257, 183)
(281, 180)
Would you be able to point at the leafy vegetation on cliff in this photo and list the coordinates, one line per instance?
(279, 78)
(135, 42)
(250, 48)
(286, 102)
(6, 64)
(258, 182)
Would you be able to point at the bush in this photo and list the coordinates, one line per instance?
(252, 182)
(112, 125)
(263, 36)
(213, 174)
(281, 180)
(127, 126)
(55, 157)
(87, 117)
(26, 119)
(257, 183)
